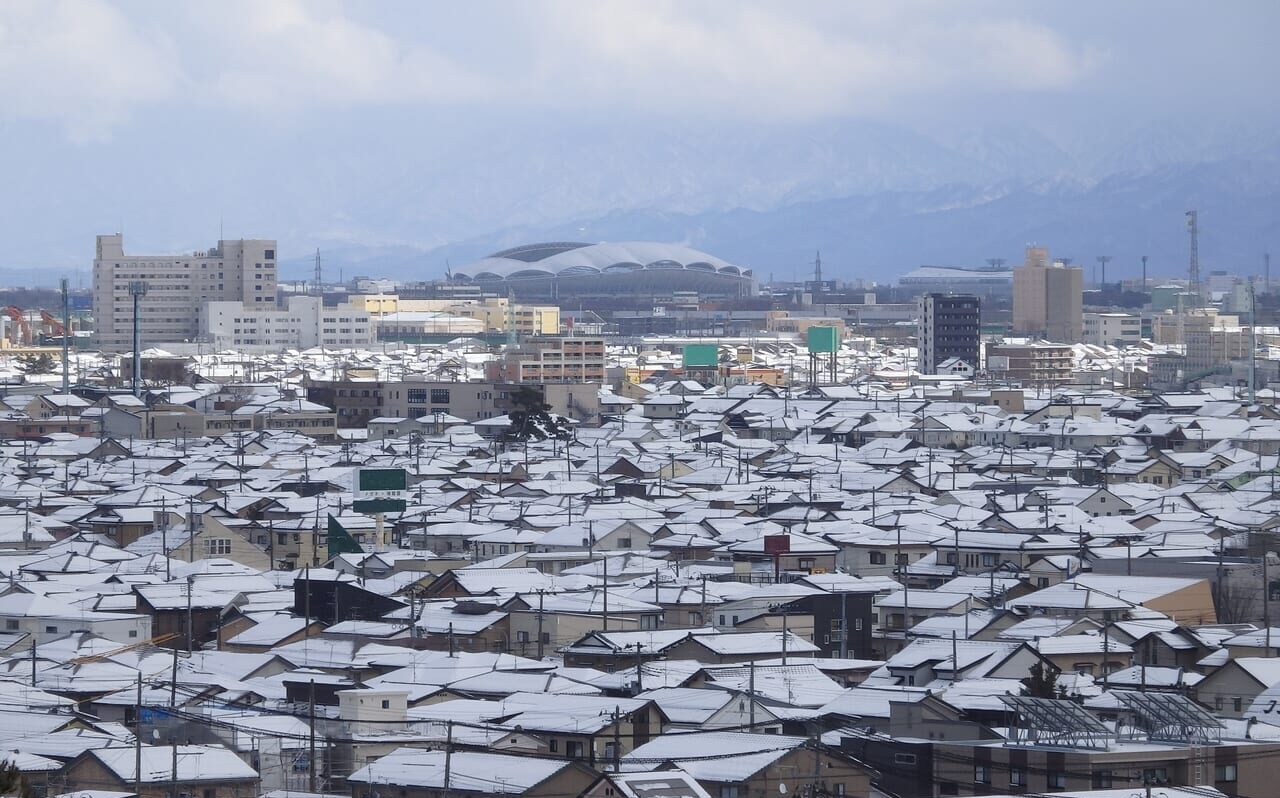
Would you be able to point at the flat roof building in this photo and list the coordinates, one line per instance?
(177, 288)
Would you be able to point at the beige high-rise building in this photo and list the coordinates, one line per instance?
(178, 286)
(1048, 299)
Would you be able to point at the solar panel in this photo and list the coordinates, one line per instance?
(1053, 721)
(1171, 717)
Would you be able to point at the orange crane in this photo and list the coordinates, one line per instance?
(23, 329)
(55, 327)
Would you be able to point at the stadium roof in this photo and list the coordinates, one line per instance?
(570, 259)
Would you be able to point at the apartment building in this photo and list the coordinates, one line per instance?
(1047, 299)
(1034, 365)
(948, 329)
(357, 402)
(495, 314)
(177, 288)
(303, 323)
(1112, 329)
(551, 359)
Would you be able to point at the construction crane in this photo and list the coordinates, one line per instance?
(22, 328)
(154, 641)
(55, 327)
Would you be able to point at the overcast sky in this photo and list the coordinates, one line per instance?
(112, 99)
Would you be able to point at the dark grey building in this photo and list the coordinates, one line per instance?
(948, 329)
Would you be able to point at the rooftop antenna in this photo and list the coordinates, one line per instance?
(1103, 260)
(318, 276)
(1193, 270)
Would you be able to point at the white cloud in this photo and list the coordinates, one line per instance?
(90, 65)
(287, 54)
(83, 64)
(770, 60)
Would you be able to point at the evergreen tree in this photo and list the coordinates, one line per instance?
(42, 363)
(12, 783)
(531, 418)
(1041, 682)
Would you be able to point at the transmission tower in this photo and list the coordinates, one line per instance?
(319, 276)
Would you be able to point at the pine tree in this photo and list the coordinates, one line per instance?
(12, 783)
(531, 417)
(42, 363)
(1041, 682)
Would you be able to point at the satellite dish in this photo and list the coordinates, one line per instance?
(155, 734)
(782, 787)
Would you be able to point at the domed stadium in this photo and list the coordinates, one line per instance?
(563, 269)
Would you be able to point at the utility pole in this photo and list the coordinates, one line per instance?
(448, 755)
(137, 290)
(540, 625)
(66, 333)
(1253, 344)
(137, 741)
(311, 740)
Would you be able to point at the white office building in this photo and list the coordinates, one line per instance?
(177, 288)
(1112, 329)
(304, 322)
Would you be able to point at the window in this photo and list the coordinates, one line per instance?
(610, 750)
(1155, 776)
(877, 558)
(439, 396)
(904, 759)
(51, 630)
(1017, 777)
(729, 791)
(1102, 780)
(11, 625)
(217, 547)
(553, 745)
(982, 774)
(1273, 591)
(573, 749)
(1237, 704)
(1224, 773)
(522, 637)
(1056, 779)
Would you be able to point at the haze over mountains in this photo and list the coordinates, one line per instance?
(876, 199)
(399, 136)
(877, 204)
